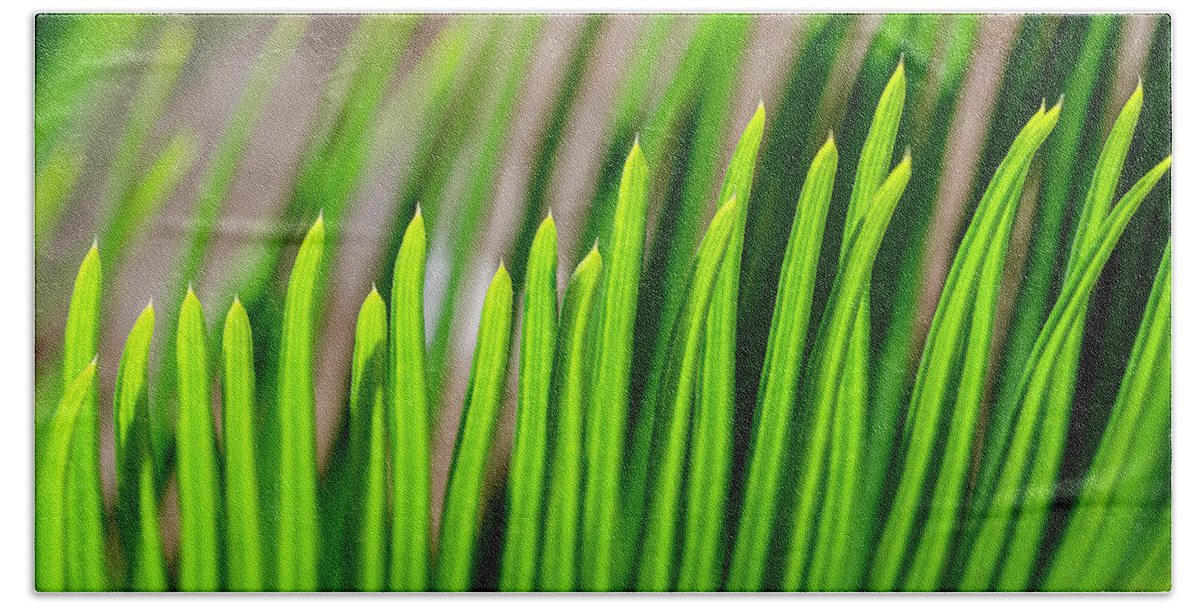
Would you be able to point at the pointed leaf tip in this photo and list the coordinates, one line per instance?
(417, 214)
(95, 243)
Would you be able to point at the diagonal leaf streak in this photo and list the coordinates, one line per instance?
(1133, 458)
(1015, 517)
(964, 315)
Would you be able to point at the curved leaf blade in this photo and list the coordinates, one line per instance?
(485, 388)
(297, 468)
(560, 549)
(527, 469)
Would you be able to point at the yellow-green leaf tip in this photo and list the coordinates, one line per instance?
(373, 297)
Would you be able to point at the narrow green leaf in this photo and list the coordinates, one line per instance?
(129, 397)
(1013, 521)
(368, 451)
(51, 550)
(605, 431)
(560, 549)
(137, 508)
(409, 416)
(781, 374)
(82, 329)
(1065, 156)
(1035, 496)
(498, 109)
(485, 388)
(839, 553)
(85, 510)
(876, 155)
(527, 468)
(672, 421)
(240, 428)
(150, 568)
(711, 454)
(297, 468)
(425, 115)
(199, 494)
(1129, 475)
(216, 182)
(953, 367)
(713, 55)
(825, 376)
